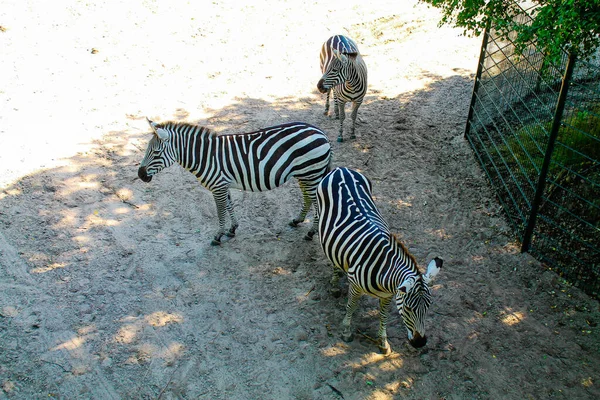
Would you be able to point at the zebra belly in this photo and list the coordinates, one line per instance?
(369, 289)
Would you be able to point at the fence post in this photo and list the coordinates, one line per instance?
(484, 43)
(541, 185)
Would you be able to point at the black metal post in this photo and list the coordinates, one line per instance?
(484, 43)
(541, 185)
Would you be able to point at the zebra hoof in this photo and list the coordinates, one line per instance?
(352, 136)
(386, 349)
(293, 223)
(230, 234)
(309, 235)
(335, 292)
(215, 242)
(340, 139)
(347, 338)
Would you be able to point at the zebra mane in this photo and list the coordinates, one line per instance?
(406, 252)
(178, 126)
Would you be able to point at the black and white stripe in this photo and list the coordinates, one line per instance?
(344, 73)
(356, 239)
(255, 161)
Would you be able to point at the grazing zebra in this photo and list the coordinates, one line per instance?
(356, 239)
(255, 161)
(344, 73)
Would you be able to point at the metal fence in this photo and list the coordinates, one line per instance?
(535, 128)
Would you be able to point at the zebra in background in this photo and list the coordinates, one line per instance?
(344, 73)
(255, 161)
(356, 239)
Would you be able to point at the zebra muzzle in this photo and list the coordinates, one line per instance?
(143, 175)
(321, 86)
(418, 341)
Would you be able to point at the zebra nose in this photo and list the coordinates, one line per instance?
(143, 175)
(321, 86)
(418, 341)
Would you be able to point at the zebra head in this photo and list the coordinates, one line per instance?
(413, 298)
(159, 154)
(337, 71)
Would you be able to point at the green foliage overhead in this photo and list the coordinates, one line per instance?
(571, 25)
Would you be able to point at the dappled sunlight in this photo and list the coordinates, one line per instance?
(48, 268)
(85, 333)
(385, 363)
(401, 204)
(97, 219)
(133, 326)
(77, 183)
(335, 350)
(81, 240)
(161, 318)
(71, 344)
(10, 192)
(172, 352)
(478, 259)
(511, 318)
(127, 333)
(122, 210)
(406, 383)
(146, 352)
(440, 234)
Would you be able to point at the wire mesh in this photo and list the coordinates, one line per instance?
(515, 100)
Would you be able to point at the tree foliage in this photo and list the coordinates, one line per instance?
(571, 25)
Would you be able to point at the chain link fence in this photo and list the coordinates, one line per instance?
(535, 128)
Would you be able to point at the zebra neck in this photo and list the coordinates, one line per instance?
(403, 265)
(353, 84)
(194, 148)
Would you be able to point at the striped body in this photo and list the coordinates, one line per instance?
(255, 161)
(344, 73)
(357, 240)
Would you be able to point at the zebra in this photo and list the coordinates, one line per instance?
(344, 73)
(255, 161)
(357, 240)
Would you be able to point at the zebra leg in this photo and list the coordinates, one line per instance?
(341, 106)
(384, 310)
(354, 293)
(234, 222)
(307, 201)
(315, 226)
(327, 103)
(221, 195)
(355, 106)
(335, 104)
(311, 192)
(335, 282)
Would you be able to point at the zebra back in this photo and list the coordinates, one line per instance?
(356, 238)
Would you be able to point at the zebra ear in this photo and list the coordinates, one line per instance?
(432, 269)
(407, 285)
(160, 132)
(152, 124)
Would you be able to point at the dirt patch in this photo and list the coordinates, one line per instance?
(109, 287)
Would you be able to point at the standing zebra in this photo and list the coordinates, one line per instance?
(356, 239)
(255, 161)
(344, 73)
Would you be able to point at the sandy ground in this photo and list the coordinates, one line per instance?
(109, 287)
